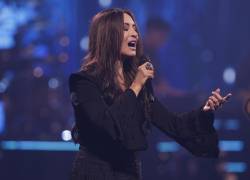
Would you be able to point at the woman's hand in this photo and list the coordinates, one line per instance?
(216, 100)
(145, 71)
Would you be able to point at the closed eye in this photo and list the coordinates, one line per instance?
(135, 28)
(126, 27)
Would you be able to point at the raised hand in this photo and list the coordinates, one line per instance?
(216, 100)
(144, 72)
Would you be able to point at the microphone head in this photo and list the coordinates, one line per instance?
(144, 58)
(148, 85)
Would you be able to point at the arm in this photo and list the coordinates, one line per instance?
(193, 130)
(117, 121)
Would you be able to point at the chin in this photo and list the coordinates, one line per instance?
(130, 54)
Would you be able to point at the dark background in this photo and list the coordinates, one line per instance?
(205, 45)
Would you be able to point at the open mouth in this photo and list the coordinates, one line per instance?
(132, 44)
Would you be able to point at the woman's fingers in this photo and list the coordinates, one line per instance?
(217, 95)
(216, 100)
(147, 69)
(221, 99)
(149, 66)
(227, 97)
(150, 74)
(211, 104)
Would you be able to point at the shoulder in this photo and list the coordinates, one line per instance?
(82, 77)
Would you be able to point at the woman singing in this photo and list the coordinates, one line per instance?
(114, 105)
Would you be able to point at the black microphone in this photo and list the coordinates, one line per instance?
(148, 83)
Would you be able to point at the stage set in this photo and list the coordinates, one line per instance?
(195, 46)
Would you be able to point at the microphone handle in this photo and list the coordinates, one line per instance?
(148, 83)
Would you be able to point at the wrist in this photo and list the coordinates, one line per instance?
(136, 88)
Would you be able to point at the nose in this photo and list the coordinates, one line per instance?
(133, 33)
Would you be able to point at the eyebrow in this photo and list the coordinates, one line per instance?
(130, 24)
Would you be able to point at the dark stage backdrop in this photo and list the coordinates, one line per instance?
(200, 45)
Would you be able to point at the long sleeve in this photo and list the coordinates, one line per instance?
(193, 130)
(119, 121)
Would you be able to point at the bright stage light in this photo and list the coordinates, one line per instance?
(53, 83)
(229, 75)
(84, 43)
(66, 135)
(105, 3)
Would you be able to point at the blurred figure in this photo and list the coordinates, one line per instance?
(242, 80)
(242, 88)
(156, 35)
(157, 32)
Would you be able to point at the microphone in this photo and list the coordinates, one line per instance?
(148, 83)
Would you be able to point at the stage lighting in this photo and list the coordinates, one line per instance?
(229, 75)
(66, 135)
(84, 43)
(53, 83)
(105, 3)
(38, 72)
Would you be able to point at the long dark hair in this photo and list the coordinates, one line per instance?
(105, 40)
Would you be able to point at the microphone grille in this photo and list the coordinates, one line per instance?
(145, 58)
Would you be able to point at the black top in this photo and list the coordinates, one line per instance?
(114, 132)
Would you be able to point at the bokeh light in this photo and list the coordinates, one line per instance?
(66, 135)
(105, 3)
(53, 83)
(64, 41)
(84, 43)
(63, 57)
(38, 72)
(229, 75)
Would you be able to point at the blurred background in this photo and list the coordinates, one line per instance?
(195, 45)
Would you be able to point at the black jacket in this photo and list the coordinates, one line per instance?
(117, 128)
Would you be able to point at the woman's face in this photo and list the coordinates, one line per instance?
(130, 36)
